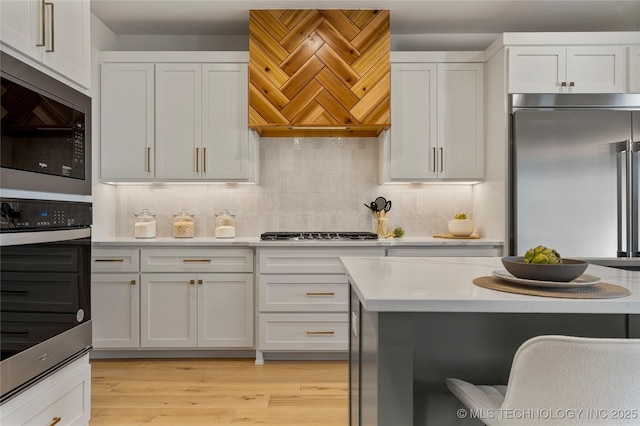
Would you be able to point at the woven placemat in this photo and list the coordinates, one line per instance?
(596, 291)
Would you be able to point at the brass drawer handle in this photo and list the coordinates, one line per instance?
(320, 333)
(320, 293)
(196, 260)
(42, 28)
(55, 421)
(53, 33)
(109, 260)
(192, 282)
(197, 159)
(200, 282)
(148, 159)
(133, 282)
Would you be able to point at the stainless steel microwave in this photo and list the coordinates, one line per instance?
(46, 132)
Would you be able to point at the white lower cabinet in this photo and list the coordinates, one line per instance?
(170, 298)
(63, 398)
(304, 299)
(197, 310)
(115, 309)
(115, 298)
(196, 298)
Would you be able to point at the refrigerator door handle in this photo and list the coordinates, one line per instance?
(625, 197)
(634, 196)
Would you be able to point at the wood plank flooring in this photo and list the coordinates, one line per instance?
(219, 392)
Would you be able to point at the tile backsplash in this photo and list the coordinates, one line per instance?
(316, 185)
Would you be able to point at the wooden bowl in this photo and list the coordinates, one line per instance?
(568, 270)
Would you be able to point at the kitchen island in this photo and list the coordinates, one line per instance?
(416, 321)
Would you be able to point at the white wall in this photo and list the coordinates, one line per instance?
(103, 196)
(489, 197)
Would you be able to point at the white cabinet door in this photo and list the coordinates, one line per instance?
(68, 50)
(55, 33)
(178, 121)
(115, 308)
(536, 69)
(225, 135)
(575, 69)
(21, 25)
(634, 69)
(594, 69)
(460, 148)
(127, 122)
(438, 123)
(168, 307)
(225, 310)
(414, 115)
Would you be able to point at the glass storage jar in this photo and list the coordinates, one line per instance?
(225, 225)
(183, 225)
(145, 224)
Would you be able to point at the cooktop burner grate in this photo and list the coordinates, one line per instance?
(293, 236)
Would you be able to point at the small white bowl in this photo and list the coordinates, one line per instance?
(461, 227)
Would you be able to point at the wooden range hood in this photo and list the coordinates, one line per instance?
(319, 72)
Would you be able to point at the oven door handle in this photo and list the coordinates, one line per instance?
(22, 238)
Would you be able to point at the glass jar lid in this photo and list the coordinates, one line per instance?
(183, 215)
(145, 216)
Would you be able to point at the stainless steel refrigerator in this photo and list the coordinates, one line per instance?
(575, 176)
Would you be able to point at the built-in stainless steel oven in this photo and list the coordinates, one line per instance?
(46, 132)
(45, 318)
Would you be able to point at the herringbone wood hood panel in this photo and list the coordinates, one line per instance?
(319, 69)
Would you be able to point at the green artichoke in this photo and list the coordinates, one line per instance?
(542, 254)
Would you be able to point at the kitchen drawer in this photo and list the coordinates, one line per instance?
(65, 396)
(454, 251)
(303, 293)
(308, 260)
(115, 260)
(304, 332)
(196, 260)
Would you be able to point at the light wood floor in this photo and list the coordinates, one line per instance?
(219, 392)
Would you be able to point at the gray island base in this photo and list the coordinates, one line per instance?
(415, 322)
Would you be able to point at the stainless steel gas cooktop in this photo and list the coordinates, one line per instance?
(289, 236)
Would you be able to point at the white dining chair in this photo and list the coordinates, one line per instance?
(562, 380)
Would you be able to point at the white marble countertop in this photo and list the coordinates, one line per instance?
(445, 284)
(256, 242)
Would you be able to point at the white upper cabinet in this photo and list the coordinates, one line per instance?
(127, 122)
(438, 123)
(572, 69)
(179, 150)
(181, 121)
(414, 117)
(55, 33)
(227, 154)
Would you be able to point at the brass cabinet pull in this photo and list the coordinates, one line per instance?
(441, 158)
(572, 83)
(200, 282)
(149, 159)
(320, 293)
(563, 84)
(320, 333)
(133, 282)
(197, 159)
(196, 260)
(192, 282)
(53, 49)
(42, 29)
(109, 260)
(204, 160)
(434, 159)
(55, 421)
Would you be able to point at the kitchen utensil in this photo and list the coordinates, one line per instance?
(380, 202)
(566, 271)
(387, 206)
(371, 207)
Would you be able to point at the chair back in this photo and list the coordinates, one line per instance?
(578, 380)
